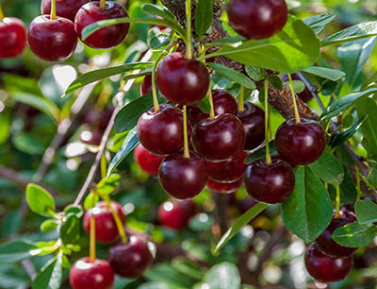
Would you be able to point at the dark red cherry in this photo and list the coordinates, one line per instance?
(228, 170)
(300, 143)
(86, 274)
(64, 8)
(106, 37)
(324, 268)
(146, 85)
(219, 139)
(12, 37)
(161, 133)
(305, 95)
(181, 80)
(252, 119)
(91, 137)
(147, 161)
(347, 212)
(130, 260)
(225, 188)
(106, 228)
(176, 214)
(271, 184)
(257, 19)
(52, 40)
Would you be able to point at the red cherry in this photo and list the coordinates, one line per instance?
(305, 95)
(12, 37)
(271, 184)
(176, 214)
(64, 8)
(219, 139)
(132, 259)
(86, 274)
(257, 19)
(324, 268)
(106, 228)
(91, 137)
(228, 170)
(161, 133)
(225, 188)
(52, 40)
(300, 143)
(146, 85)
(347, 212)
(181, 80)
(106, 37)
(147, 161)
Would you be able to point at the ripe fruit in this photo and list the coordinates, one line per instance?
(183, 178)
(147, 161)
(52, 40)
(228, 170)
(219, 139)
(257, 19)
(130, 260)
(64, 8)
(91, 137)
(176, 214)
(305, 95)
(324, 268)
(271, 184)
(300, 143)
(106, 228)
(225, 188)
(12, 37)
(161, 133)
(252, 119)
(146, 85)
(347, 211)
(183, 81)
(86, 274)
(106, 37)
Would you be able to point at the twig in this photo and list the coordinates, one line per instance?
(221, 216)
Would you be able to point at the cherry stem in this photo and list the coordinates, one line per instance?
(156, 105)
(186, 151)
(92, 238)
(210, 99)
(103, 166)
(358, 184)
(337, 189)
(294, 101)
(53, 10)
(241, 105)
(267, 124)
(188, 30)
(1, 14)
(102, 4)
(118, 221)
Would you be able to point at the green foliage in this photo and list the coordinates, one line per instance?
(40, 201)
(221, 276)
(203, 16)
(355, 235)
(366, 211)
(318, 22)
(16, 251)
(51, 275)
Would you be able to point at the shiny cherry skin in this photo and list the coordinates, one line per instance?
(130, 260)
(252, 119)
(183, 81)
(91, 137)
(107, 37)
(257, 19)
(219, 139)
(146, 85)
(106, 228)
(86, 274)
(64, 8)
(300, 143)
(229, 170)
(52, 40)
(12, 37)
(324, 268)
(304, 95)
(147, 161)
(271, 184)
(161, 133)
(175, 214)
(225, 188)
(183, 178)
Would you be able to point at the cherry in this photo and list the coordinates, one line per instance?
(271, 184)
(91, 137)
(252, 119)
(161, 133)
(219, 139)
(64, 8)
(183, 81)
(52, 40)
(106, 37)
(324, 268)
(87, 274)
(147, 161)
(130, 260)
(176, 214)
(12, 37)
(257, 19)
(305, 95)
(300, 143)
(106, 228)
(146, 85)
(183, 178)
(228, 170)
(225, 188)
(347, 212)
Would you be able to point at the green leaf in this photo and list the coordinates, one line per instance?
(70, 230)
(366, 211)
(159, 40)
(73, 210)
(51, 275)
(222, 276)
(233, 75)
(276, 82)
(158, 11)
(107, 185)
(49, 226)
(368, 107)
(255, 73)
(204, 105)
(16, 251)
(91, 200)
(356, 32)
(40, 201)
(239, 224)
(355, 235)
(298, 86)
(308, 211)
(203, 16)
(327, 73)
(347, 134)
(318, 22)
(261, 153)
(328, 168)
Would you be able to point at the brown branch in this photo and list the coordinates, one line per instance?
(221, 214)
